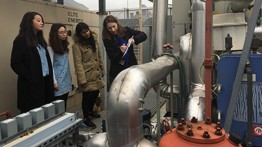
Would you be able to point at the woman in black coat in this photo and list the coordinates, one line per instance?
(118, 41)
(31, 62)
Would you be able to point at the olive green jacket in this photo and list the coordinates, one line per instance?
(89, 66)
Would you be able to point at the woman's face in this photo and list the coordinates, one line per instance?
(38, 23)
(112, 28)
(85, 33)
(62, 33)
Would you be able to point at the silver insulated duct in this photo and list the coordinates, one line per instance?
(125, 99)
(198, 39)
(196, 102)
(124, 107)
(159, 29)
(192, 45)
(124, 104)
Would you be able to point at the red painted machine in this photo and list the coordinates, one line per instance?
(198, 133)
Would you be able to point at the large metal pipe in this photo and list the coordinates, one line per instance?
(196, 103)
(198, 39)
(159, 29)
(159, 32)
(124, 107)
(124, 104)
(125, 99)
(193, 58)
(101, 141)
(165, 89)
(186, 57)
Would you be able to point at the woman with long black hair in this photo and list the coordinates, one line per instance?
(89, 69)
(31, 62)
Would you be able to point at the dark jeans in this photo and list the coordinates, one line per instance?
(62, 97)
(88, 101)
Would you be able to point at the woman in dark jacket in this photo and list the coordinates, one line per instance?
(31, 62)
(118, 41)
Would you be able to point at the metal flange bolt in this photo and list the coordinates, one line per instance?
(183, 121)
(206, 134)
(194, 120)
(208, 121)
(189, 126)
(199, 127)
(189, 132)
(180, 127)
(218, 125)
(218, 132)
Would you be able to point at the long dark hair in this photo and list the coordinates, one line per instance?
(81, 26)
(27, 31)
(59, 46)
(111, 19)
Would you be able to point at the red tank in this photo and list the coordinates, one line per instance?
(198, 134)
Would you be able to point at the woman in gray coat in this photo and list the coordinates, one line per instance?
(89, 69)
